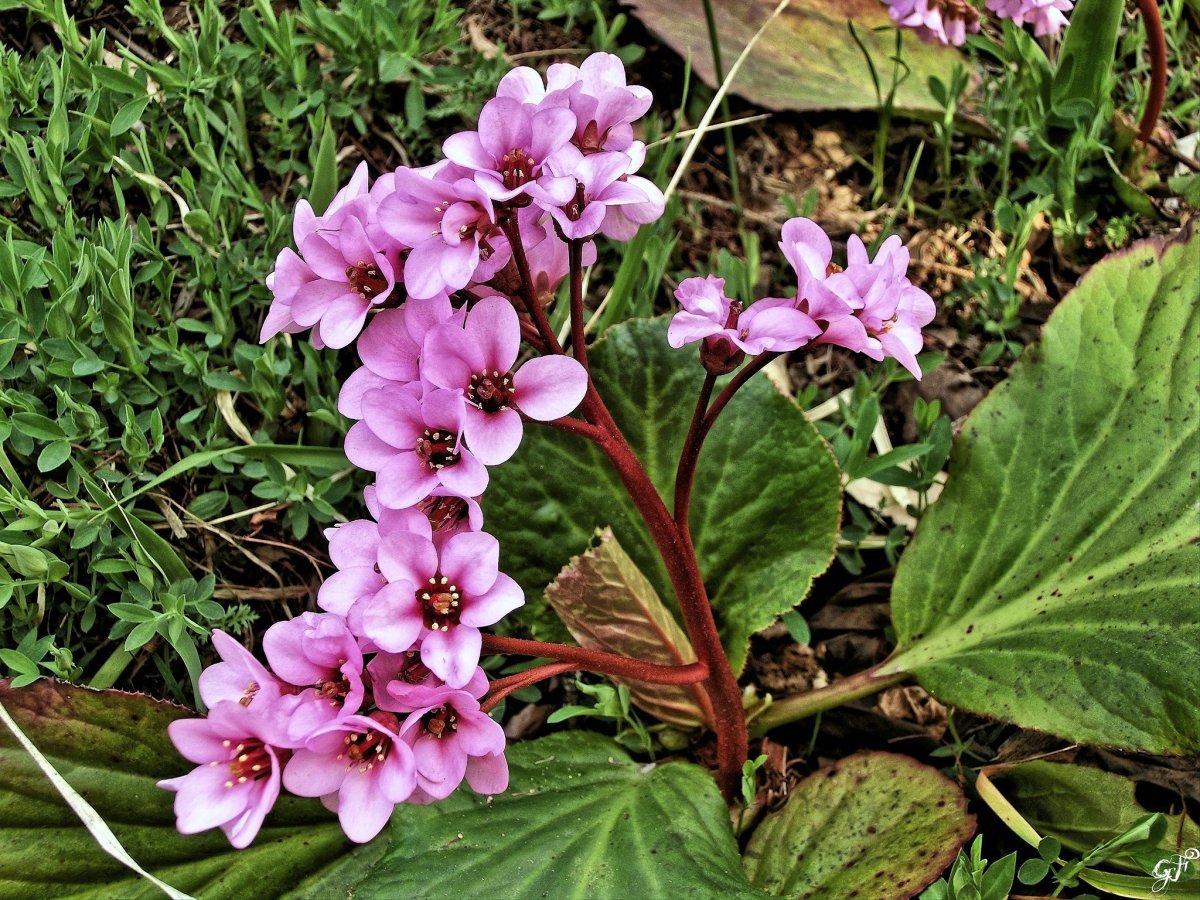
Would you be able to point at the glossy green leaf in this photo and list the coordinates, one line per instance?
(580, 820)
(1053, 584)
(1084, 807)
(875, 826)
(608, 604)
(765, 507)
(112, 748)
(829, 73)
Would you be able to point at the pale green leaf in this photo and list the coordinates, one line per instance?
(1054, 583)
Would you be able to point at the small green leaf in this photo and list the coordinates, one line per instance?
(873, 826)
(324, 170)
(38, 427)
(128, 115)
(53, 456)
(29, 562)
(1032, 871)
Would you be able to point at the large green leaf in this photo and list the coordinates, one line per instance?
(765, 508)
(580, 819)
(875, 826)
(807, 59)
(1054, 582)
(112, 748)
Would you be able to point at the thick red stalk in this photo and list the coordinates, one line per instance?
(598, 661)
(1158, 68)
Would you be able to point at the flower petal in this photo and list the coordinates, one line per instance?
(549, 387)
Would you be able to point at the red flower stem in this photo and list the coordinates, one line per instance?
(744, 374)
(578, 338)
(1158, 68)
(528, 293)
(690, 455)
(598, 661)
(574, 426)
(674, 546)
(502, 687)
(702, 423)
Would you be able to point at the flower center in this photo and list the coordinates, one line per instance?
(436, 449)
(249, 693)
(491, 392)
(440, 722)
(366, 279)
(365, 749)
(334, 689)
(591, 141)
(574, 209)
(516, 168)
(444, 513)
(248, 761)
(440, 603)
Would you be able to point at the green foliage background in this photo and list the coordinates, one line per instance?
(149, 182)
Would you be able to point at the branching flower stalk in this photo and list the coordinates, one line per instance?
(439, 274)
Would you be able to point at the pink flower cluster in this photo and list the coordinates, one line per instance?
(554, 160)
(950, 21)
(375, 700)
(1046, 16)
(870, 306)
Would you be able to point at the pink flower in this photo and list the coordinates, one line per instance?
(600, 183)
(354, 550)
(603, 104)
(237, 780)
(946, 21)
(1046, 16)
(402, 683)
(316, 651)
(453, 739)
(352, 275)
(477, 360)
(239, 677)
(449, 221)
(362, 760)
(771, 324)
(390, 348)
(442, 598)
(513, 141)
(413, 444)
(809, 252)
(888, 311)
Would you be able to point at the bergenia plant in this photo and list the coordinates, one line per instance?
(442, 274)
